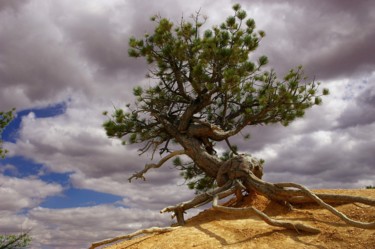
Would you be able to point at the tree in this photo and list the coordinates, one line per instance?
(5, 119)
(13, 241)
(208, 88)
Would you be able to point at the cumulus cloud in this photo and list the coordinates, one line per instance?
(56, 228)
(17, 194)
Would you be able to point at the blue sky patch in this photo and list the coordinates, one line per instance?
(60, 178)
(74, 197)
(10, 132)
(22, 167)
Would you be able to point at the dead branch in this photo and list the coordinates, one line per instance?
(132, 235)
(286, 224)
(140, 174)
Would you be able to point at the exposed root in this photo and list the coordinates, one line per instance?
(286, 224)
(130, 236)
(339, 214)
(331, 198)
(278, 192)
(199, 200)
(243, 172)
(288, 192)
(242, 167)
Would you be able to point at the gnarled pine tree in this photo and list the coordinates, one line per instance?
(207, 89)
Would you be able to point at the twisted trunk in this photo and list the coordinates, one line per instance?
(194, 148)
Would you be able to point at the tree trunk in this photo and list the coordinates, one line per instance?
(194, 148)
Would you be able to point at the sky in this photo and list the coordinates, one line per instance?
(62, 63)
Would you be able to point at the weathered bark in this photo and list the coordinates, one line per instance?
(210, 164)
(202, 129)
(193, 146)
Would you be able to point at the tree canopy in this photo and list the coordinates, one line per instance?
(208, 86)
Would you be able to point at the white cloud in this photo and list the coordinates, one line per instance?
(17, 193)
(58, 228)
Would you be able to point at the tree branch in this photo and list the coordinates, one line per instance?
(200, 102)
(214, 132)
(140, 174)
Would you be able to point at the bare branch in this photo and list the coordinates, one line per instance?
(140, 174)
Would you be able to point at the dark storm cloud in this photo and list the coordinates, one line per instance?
(351, 57)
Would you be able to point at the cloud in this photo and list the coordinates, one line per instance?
(35, 66)
(322, 36)
(361, 111)
(17, 193)
(330, 157)
(56, 228)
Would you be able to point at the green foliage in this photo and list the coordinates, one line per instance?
(370, 187)
(13, 241)
(213, 75)
(5, 119)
